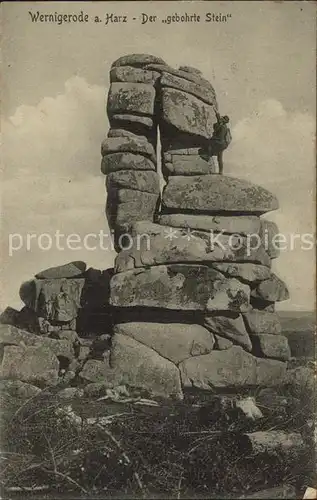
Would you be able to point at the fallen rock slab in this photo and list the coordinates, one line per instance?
(173, 341)
(217, 193)
(73, 269)
(36, 365)
(230, 368)
(180, 287)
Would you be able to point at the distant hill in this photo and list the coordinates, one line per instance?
(299, 328)
(298, 321)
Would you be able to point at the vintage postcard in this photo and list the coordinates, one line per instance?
(158, 310)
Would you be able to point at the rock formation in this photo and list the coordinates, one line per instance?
(67, 297)
(193, 292)
(190, 303)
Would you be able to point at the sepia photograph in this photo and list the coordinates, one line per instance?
(158, 250)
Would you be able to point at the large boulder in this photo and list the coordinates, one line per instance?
(244, 225)
(26, 319)
(230, 368)
(53, 299)
(134, 365)
(148, 182)
(36, 365)
(73, 269)
(18, 389)
(126, 97)
(179, 73)
(262, 322)
(133, 74)
(139, 366)
(271, 290)
(156, 244)
(137, 60)
(125, 206)
(124, 161)
(205, 94)
(179, 286)
(10, 316)
(173, 341)
(271, 346)
(230, 326)
(187, 113)
(135, 145)
(217, 193)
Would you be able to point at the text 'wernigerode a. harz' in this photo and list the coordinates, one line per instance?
(109, 18)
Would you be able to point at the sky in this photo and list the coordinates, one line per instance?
(261, 63)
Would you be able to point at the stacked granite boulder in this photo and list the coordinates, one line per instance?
(193, 292)
(187, 107)
(67, 297)
(129, 151)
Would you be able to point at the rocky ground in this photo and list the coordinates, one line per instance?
(90, 442)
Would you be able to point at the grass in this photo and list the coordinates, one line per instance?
(176, 450)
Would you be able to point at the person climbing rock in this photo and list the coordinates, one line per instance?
(220, 139)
